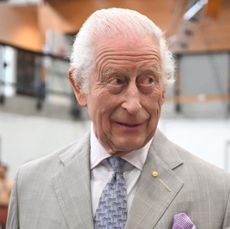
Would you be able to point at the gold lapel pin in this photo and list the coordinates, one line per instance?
(155, 173)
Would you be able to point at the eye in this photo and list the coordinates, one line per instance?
(146, 80)
(147, 83)
(117, 81)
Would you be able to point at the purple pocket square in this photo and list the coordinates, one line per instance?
(182, 221)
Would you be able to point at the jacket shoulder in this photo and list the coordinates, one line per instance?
(48, 165)
(191, 164)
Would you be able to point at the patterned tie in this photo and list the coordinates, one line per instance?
(111, 212)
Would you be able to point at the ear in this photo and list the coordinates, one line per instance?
(79, 94)
(162, 97)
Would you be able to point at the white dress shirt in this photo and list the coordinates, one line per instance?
(101, 171)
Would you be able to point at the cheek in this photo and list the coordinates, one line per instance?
(101, 109)
(159, 96)
(154, 101)
(102, 119)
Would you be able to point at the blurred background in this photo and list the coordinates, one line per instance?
(38, 112)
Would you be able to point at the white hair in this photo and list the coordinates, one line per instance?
(109, 23)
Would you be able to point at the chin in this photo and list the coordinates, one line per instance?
(122, 149)
(124, 144)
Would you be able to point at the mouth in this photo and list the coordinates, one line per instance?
(129, 125)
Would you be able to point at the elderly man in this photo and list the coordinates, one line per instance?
(124, 173)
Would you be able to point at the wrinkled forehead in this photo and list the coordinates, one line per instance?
(132, 48)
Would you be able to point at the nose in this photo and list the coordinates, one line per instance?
(132, 102)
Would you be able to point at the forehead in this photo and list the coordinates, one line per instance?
(131, 50)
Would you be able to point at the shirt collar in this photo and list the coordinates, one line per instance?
(98, 153)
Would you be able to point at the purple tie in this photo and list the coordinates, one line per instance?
(112, 208)
(182, 221)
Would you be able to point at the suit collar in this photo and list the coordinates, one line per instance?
(154, 194)
(166, 150)
(72, 185)
(98, 153)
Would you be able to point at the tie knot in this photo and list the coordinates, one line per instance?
(116, 163)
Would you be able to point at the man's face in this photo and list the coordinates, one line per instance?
(125, 93)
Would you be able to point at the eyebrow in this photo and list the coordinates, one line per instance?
(111, 71)
(154, 69)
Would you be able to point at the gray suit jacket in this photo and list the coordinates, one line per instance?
(54, 192)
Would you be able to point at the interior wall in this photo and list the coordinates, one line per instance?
(204, 75)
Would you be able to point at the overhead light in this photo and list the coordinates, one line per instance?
(195, 9)
(25, 2)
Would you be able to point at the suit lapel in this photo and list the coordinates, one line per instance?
(72, 186)
(152, 198)
(155, 193)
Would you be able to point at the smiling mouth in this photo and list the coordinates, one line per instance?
(130, 125)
